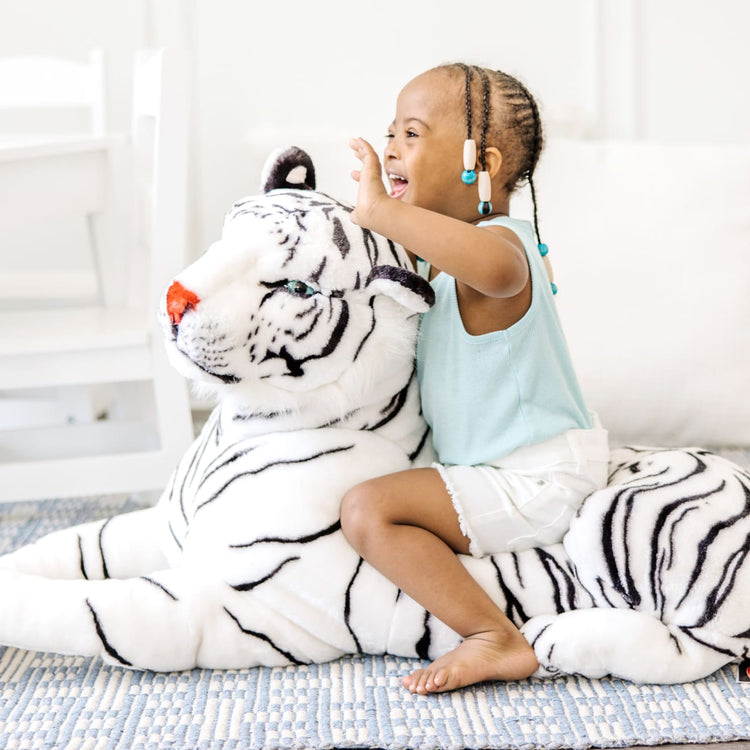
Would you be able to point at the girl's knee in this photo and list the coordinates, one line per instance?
(360, 510)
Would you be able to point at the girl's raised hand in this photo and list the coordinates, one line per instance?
(371, 188)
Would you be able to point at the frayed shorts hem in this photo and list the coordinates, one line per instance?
(528, 498)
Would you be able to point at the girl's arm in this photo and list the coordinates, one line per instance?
(491, 260)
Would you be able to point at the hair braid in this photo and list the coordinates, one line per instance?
(467, 74)
(510, 121)
(485, 116)
(536, 151)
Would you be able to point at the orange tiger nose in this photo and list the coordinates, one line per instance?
(179, 300)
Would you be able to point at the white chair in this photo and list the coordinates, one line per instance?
(50, 83)
(114, 345)
(41, 97)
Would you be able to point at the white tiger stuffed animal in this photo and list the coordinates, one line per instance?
(303, 324)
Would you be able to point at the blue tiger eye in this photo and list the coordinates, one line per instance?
(299, 289)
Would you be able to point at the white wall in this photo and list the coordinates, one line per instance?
(672, 70)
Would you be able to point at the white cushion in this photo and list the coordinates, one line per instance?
(651, 249)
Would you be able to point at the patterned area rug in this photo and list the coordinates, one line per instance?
(49, 701)
(63, 702)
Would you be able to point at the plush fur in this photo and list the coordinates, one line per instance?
(303, 325)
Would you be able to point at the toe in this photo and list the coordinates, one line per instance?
(439, 680)
(425, 679)
(411, 682)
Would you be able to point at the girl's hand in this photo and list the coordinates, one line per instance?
(371, 190)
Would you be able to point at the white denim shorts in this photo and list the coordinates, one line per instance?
(529, 497)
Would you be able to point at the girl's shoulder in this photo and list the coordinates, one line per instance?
(520, 227)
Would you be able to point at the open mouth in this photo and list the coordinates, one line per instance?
(398, 185)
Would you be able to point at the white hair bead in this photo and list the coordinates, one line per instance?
(485, 186)
(469, 175)
(470, 153)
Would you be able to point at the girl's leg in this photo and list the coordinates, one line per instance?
(405, 526)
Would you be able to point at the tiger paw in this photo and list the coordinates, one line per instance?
(533, 630)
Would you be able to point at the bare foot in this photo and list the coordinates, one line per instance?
(483, 656)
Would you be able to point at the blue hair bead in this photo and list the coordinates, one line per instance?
(484, 208)
(468, 176)
(543, 249)
(554, 287)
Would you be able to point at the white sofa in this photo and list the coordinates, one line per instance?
(651, 249)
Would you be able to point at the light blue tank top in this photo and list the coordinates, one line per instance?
(485, 396)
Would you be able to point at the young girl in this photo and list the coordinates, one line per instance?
(517, 449)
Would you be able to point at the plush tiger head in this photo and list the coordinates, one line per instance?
(295, 307)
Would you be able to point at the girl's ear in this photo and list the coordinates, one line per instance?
(494, 160)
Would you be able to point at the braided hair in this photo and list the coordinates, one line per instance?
(510, 118)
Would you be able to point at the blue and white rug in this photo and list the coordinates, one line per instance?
(49, 701)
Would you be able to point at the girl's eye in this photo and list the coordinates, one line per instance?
(389, 135)
(300, 289)
(411, 134)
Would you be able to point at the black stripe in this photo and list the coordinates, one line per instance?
(608, 543)
(265, 638)
(393, 409)
(373, 323)
(250, 416)
(514, 610)
(80, 556)
(338, 420)
(413, 455)
(392, 248)
(174, 536)
(688, 632)
(422, 646)
(348, 607)
(272, 465)
(711, 536)
(371, 246)
(192, 468)
(215, 466)
(251, 585)
(672, 533)
(339, 237)
(677, 645)
(105, 570)
(302, 336)
(661, 521)
(294, 365)
(603, 593)
(158, 585)
(224, 378)
(569, 595)
(538, 636)
(290, 540)
(318, 272)
(725, 584)
(107, 646)
(338, 332)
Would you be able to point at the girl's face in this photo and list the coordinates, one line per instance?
(423, 158)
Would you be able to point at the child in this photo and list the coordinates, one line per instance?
(517, 449)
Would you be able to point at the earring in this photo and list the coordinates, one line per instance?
(469, 175)
(485, 193)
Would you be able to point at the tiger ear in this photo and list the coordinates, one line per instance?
(288, 167)
(405, 287)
